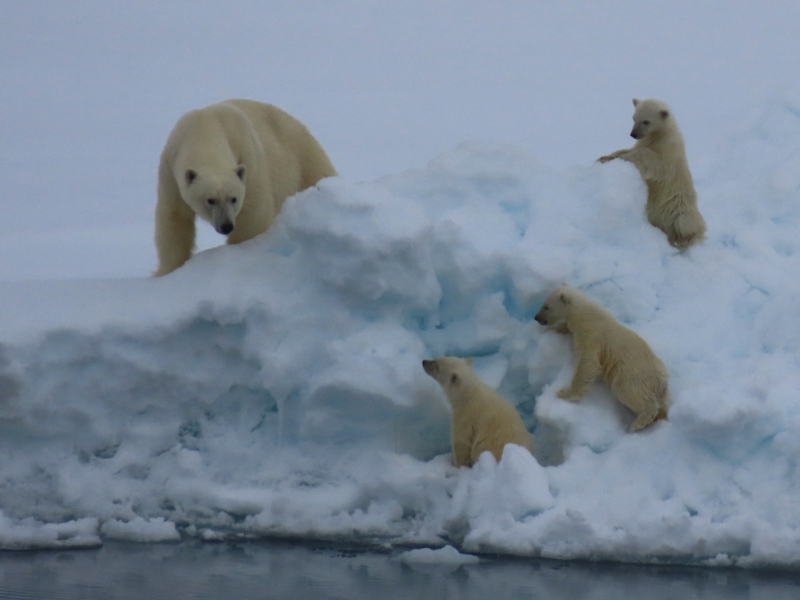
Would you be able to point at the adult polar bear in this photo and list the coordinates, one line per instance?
(232, 164)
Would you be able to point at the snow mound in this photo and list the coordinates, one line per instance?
(275, 388)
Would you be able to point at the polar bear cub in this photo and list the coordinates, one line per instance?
(604, 347)
(660, 155)
(232, 164)
(482, 419)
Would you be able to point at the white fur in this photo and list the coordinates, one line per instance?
(606, 348)
(660, 156)
(232, 164)
(482, 419)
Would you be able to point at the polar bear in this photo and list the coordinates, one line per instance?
(232, 164)
(482, 419)
(605, 347)
(660, 155)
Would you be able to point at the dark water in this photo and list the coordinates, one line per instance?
(284, 570)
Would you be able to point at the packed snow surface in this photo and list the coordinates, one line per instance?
(275, 388)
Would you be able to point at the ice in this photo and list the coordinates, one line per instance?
(30, 534)
(140, 530)
(275, 388)
(441, 556)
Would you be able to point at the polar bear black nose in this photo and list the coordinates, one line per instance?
(226, 228)
(540, 319)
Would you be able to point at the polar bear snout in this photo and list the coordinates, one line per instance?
(223, 217)
(430, 366)
(541, 316)
(225, 228)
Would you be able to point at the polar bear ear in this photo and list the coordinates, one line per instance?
(469, 361)
(636, 102)
(241, 171)
(190, 176)
(664, 114)
(454, 379)
(564, 298)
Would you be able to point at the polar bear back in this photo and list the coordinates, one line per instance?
(296, 161)
(488, 421)
(482, 419)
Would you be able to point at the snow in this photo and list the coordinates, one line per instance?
(275, 388)
(447, 555)
(140, 530)
(30, 534)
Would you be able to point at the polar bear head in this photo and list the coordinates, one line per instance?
(649, 118)
(216, 197)
(557, 307)
(450, 371)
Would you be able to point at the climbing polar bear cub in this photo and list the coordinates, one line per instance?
(232, 164)
(482, 419)
(660, 156)
(604, 347)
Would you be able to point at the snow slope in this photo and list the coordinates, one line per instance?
(275, 388)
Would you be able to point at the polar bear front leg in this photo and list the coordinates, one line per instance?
(650, 164)
(644, 418)
(175, 236)
(613, 155)
(462, 450)
(586, 372)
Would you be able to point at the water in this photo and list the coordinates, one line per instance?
(119, 571)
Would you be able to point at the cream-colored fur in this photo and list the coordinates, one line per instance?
(660, 155)
(232, 164)
(606, 348)
(482, 419)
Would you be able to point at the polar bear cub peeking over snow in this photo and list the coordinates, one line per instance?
(482, 419)
(605, 347)
(232, 164)
(660, 155)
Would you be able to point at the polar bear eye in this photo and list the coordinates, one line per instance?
(645, 122)
(233, 200)
(211, 202)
